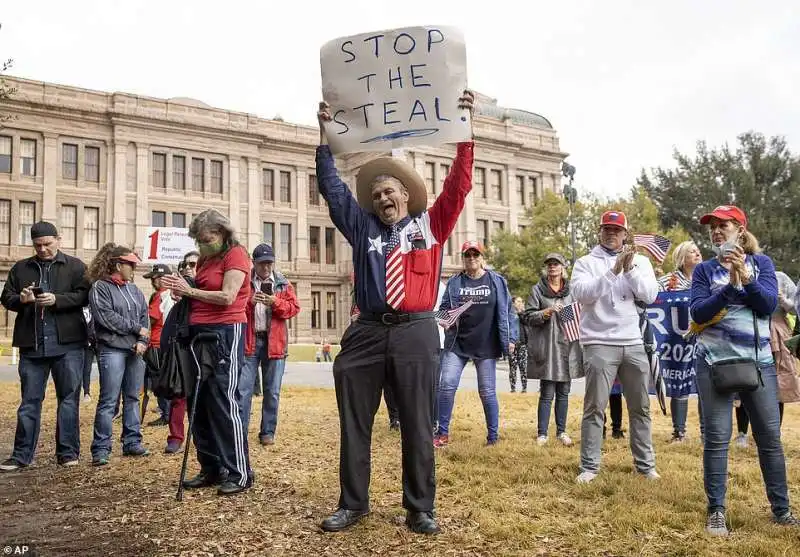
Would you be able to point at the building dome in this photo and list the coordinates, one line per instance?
(188, 100)
(488, 106)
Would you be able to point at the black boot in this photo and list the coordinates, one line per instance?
(422, 523)
(203, 479)
(342, 519)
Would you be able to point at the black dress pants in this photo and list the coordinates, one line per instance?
(404, 357)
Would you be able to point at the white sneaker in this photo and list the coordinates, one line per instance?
(541, 440)
(652, 475)
(741, 441)
(565, 440)
(585, 477)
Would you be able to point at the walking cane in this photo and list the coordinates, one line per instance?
(201, 337)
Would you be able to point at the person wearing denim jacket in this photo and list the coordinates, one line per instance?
(474, 337)
(733, 297)
(121, 325)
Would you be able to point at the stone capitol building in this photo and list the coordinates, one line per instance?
(106, 166)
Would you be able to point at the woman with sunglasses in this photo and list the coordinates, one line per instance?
(119, 312)
(733, 297)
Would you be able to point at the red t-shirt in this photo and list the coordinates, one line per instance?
(156, 319)
(209, 277)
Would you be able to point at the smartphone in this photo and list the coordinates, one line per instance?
(37, 290)
(266, 288)
(727, 247)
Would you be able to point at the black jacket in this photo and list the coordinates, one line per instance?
(67, 281)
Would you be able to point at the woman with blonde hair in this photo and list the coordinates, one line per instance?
(733, 297)
(686, 256)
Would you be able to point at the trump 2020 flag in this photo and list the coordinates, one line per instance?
(657, 246)
(447, 317)
(570, 319)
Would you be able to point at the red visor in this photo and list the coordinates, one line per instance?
(726, 212)
(131, 258)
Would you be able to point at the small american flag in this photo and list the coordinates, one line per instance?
(448, 317)
(658, 246)
(570, 319)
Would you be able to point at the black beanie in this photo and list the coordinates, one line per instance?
(43, 228)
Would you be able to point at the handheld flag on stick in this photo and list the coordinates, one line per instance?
(657, 246)
(447, 318)
(570, 318)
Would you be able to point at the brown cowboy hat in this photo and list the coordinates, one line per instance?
(396, 168)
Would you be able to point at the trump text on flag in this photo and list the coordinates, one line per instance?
(395, 88)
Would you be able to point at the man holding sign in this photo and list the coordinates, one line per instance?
(397, 254)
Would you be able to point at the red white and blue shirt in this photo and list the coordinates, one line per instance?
(422, 237)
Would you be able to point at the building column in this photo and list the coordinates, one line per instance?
(303, 320)
(513, 199)
(234, 203)
(50, 176)
(302, 256)
(254, 232)
(142, 206)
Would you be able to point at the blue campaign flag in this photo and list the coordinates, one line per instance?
(669, 318)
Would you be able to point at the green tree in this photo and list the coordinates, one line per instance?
(759, 175)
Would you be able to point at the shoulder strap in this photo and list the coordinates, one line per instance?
(755, 331)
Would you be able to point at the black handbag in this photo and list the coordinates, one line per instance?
(738, 375)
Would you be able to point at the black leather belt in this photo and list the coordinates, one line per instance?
(391, 318)
(261, 334)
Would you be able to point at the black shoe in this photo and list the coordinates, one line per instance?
(394, 425)
(158, 422)
(202, 480)
(341, 519)
(513, 389)
(232, 488)
(618, 434)
(422, 523)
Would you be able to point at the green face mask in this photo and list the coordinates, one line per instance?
(209, 249)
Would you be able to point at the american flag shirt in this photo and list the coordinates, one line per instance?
(421, 238)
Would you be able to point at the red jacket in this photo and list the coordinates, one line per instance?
(285, 307)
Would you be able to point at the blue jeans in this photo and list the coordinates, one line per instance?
(33, 374)
(271, 378)
(762, 407)
(120, 371)
(451, 367)
(548, 389)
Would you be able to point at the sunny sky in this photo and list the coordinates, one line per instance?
(623, 82)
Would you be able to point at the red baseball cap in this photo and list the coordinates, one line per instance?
(725, 212)
(614, 218)
(472, 245)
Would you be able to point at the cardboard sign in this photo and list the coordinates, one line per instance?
(396, 88)
(166, 245)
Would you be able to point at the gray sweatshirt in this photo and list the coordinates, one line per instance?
(118, 312)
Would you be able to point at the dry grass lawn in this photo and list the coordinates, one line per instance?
(511, 499)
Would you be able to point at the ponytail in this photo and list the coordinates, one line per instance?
(749, 243)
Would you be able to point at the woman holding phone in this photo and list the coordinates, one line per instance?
(121, 326)
(733, 297)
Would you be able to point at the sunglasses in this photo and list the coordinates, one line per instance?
(471, 255)
(190, 264)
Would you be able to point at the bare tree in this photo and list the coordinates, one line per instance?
(6, 90)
